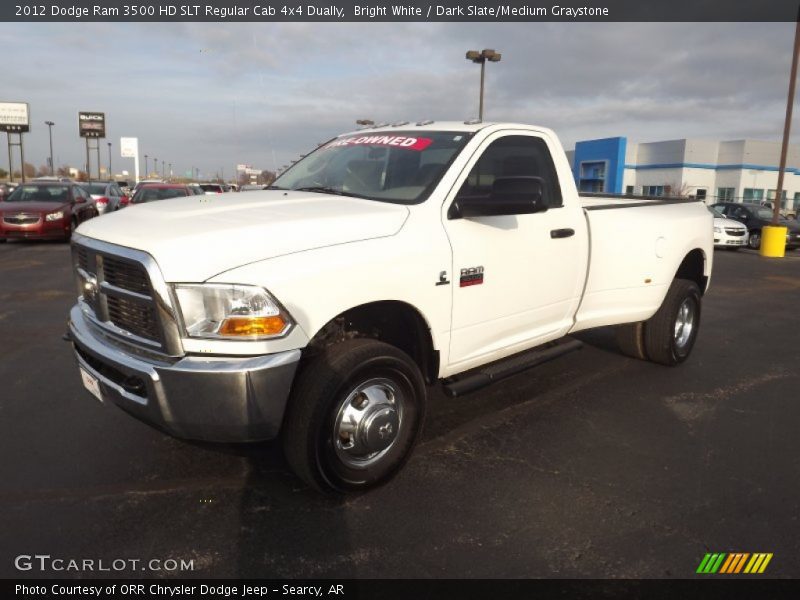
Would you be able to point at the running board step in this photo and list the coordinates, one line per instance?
(507, 367)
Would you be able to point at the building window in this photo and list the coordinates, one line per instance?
(629, 190)
(726, 194)
(796, 201)
(592, 176)
(700, 194)
(752, 196)
(771, 197)
(652, 190)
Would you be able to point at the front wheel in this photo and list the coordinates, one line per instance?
(669, 335)
(754, 241)
(355, 413)
(73, 225)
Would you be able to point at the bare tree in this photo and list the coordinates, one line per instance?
(677, 190)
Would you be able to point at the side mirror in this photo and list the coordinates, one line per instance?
(520, 195)
(80, 200)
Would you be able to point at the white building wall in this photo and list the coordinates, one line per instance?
(708, 156)
(713, 168)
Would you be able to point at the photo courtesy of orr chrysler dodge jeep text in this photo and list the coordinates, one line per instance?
(385, 261)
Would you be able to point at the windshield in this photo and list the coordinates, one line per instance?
(401, 167)
(149, 194)
(40, 193)
(716, 212)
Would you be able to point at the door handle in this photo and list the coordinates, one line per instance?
(561, 233)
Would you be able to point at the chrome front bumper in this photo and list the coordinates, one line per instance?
(219, 399)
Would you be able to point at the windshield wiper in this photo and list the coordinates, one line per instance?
(328, 190)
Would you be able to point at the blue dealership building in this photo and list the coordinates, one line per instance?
(736, 170)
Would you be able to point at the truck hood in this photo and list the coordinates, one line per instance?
(196, 237)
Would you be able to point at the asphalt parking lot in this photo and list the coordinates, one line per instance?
(594, 465)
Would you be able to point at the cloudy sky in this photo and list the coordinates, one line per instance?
(217, 94)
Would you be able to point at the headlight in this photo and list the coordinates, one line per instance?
(717, 229)
(56, 216)
(231, 311)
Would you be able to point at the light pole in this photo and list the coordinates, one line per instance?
(155, 165)
(169, 172)
(481, 57)
(110, 175)
(146, 172)
(50, 130)
(163, 172)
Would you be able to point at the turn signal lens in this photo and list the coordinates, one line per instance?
(252, 326)
(217, 310)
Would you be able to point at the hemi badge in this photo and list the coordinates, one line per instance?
(471, 276)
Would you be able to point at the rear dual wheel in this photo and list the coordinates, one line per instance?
(669, 335)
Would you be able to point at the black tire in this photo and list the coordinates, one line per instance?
(754, 241)
(665, 341)
(327, 388)
(630, 340)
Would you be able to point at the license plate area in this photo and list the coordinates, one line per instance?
(91, 383)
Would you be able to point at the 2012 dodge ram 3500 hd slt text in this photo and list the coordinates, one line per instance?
(385, 261)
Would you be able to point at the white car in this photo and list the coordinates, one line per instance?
(386, 261)
(728, 233)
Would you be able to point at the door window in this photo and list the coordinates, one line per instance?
(513, 156)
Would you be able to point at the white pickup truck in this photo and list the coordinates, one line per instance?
(385, 261)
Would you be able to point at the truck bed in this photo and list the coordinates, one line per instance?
(632, 253)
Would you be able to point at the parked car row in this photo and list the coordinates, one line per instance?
(752, 218)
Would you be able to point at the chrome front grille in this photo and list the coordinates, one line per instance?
(139, 319)
(734, 231)
(125, 275)
(21, 219)
(123, 293)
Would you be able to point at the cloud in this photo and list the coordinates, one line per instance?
(213, 95)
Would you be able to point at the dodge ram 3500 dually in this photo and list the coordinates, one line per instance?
(385, 261)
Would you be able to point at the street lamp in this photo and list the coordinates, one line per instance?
(481, 57)
(155, 165)
(169, 171)
(146, 172)
(50, 130)
(110, 175)
(163, 172)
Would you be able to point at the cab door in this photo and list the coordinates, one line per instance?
(517, 279)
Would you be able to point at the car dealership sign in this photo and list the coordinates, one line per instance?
(128, 147)
(14, 117)
(92, 124)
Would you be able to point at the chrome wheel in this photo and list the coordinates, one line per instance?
(684, 323)
(754, 241)
(367, 422)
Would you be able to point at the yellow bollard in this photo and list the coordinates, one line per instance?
(773, 241)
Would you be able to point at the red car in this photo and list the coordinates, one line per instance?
(147, 192)
(40, 210)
